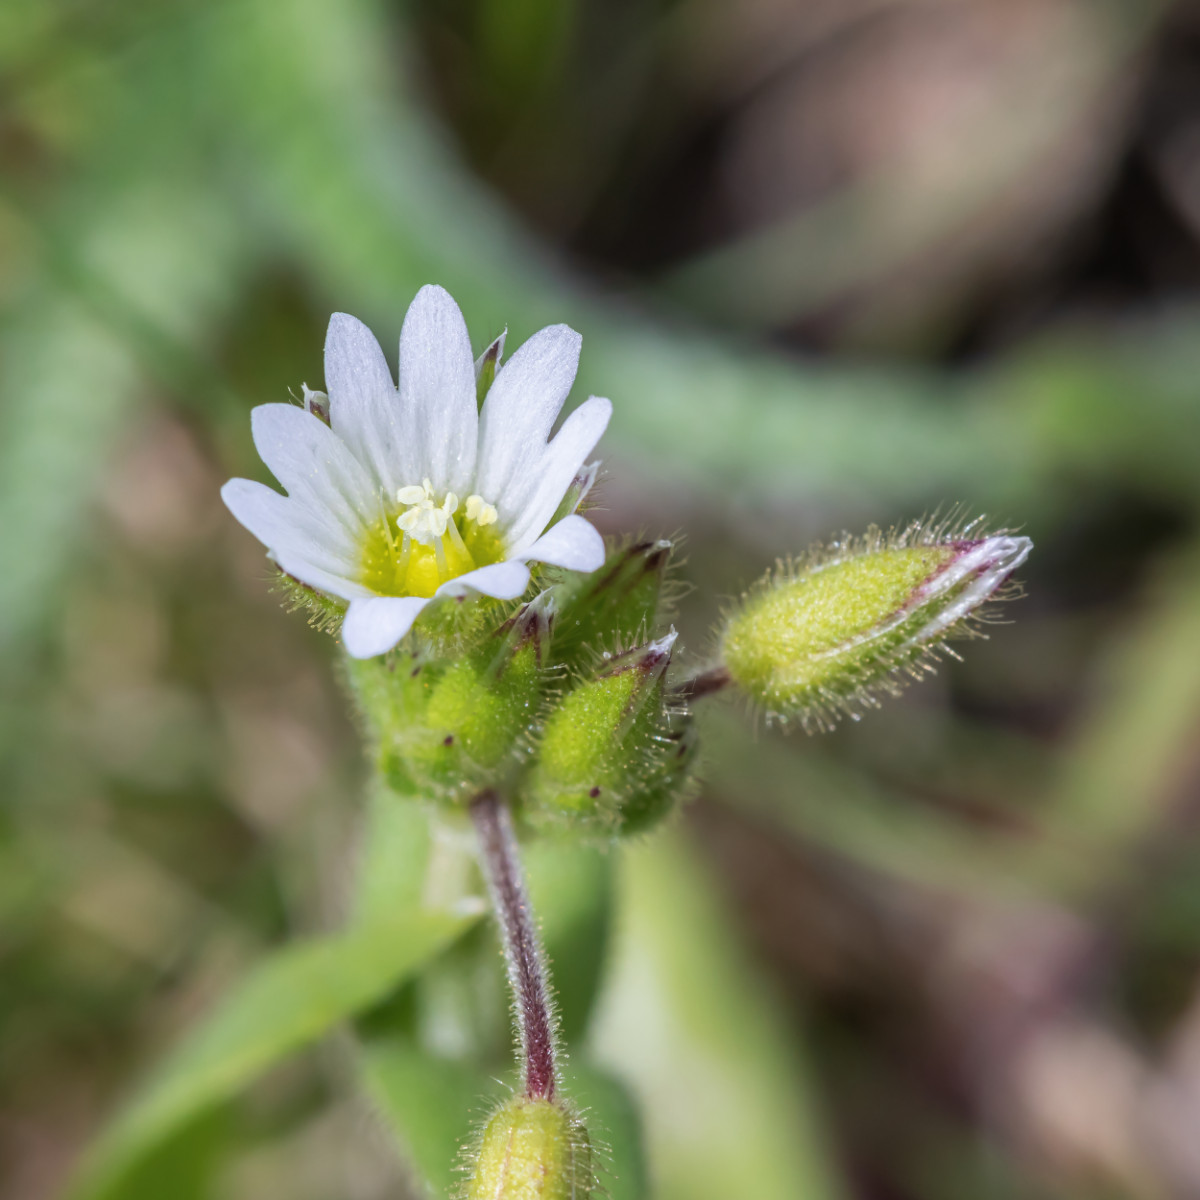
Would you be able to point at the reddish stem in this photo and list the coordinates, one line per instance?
(527, 973)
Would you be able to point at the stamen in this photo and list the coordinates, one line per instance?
(456, 540)
(443, 566)
(405, 555)
(411, 495)
(480, 511)
(387, 526)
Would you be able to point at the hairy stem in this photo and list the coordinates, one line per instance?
(527, 973)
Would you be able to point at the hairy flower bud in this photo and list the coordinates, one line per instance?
(614, 607)
(610, 756)
(532, 1149)
(446, 728)
(825, 636)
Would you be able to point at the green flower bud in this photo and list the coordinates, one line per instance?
(533, 1149)
(486, 366)
(577, 492)
(824, 637)
(447, 728)
(611, 755)
(614, 607)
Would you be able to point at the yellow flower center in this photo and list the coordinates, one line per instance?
(413, 551)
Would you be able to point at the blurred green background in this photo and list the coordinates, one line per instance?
(836, 262)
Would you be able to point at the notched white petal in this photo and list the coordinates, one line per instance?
(312, 463)
(334, 583)
(502, 581)
(533, 500)
(437, 390)
(573, 543)
(522, 406)
(286, 527)
(373, 626)
(364, 409)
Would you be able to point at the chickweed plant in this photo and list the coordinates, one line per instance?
(513, 673)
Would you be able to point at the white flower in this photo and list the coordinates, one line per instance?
(412, 492)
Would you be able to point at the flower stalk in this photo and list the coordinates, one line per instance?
(527, 974)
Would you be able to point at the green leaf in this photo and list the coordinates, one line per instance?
(434, 1105)
(571, 889)
(614, 1126)
(686, 1023)
(287, 1003)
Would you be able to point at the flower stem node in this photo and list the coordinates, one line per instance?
(612, 755)
(614, 607)
(533, 1149)
(826, 636)
(446, 728)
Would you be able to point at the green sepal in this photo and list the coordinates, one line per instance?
(612, 608)
(446, 728)
(324, 612)
(604, 759)
(486, 366)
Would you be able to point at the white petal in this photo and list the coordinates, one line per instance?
(572, 543)
(375, 625)
(530, 501)
(522, 406)
(437, 391)
(364, 408)
(287, 527)
(333, 582)
(503, 580)
(313, 464)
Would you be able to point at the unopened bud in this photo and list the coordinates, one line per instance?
(533, 1149)
(614, 607)
(447, 728)
(316, 403)
(486, 366)
(577, 491)
(604, 747)
(826, 636)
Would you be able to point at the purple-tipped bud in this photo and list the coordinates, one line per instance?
(829, 634)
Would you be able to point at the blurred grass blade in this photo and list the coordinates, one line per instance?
(805, 261)
(290, 1001)
(1127, 776)
(805, 790)
(686, 1023)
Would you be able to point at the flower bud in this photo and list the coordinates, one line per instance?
(609, 754)
(824, 637)
(447, 728)
(316, 403)
(486, 366)
(532, 1149)
(614, 607)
